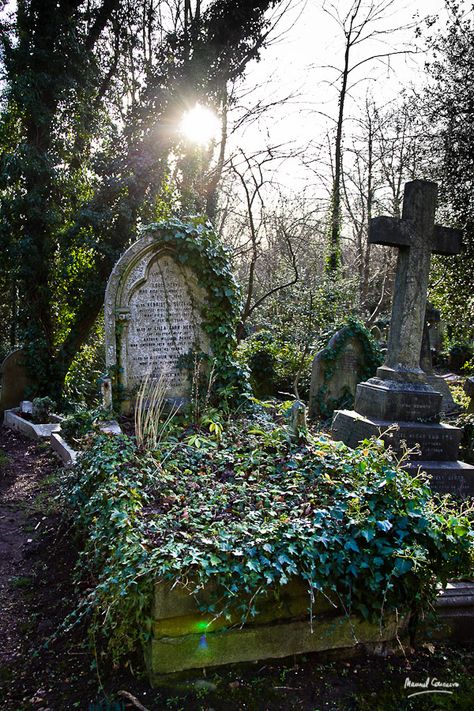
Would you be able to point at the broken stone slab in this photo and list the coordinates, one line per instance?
(29, 429)
(67, 454)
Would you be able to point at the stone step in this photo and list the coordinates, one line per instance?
(437, 442)
(455, 607)
(455, 478)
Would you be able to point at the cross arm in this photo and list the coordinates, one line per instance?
(397, 232)
(391, 231)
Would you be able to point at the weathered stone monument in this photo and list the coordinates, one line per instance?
(350, 356)
(15, 381)
(469, 390)
(435, 328)
(153, 319)
(436, 381)
(400, 393)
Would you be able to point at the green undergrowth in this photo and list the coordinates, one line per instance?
(243, 506)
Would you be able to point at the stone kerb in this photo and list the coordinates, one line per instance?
(153, 318)
(185, 638)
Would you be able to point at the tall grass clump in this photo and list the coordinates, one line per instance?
(152, 417)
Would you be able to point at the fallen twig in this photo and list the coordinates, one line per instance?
(133, 700)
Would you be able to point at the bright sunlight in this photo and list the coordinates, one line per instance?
(200, 125)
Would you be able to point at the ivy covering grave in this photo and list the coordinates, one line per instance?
(241, 505)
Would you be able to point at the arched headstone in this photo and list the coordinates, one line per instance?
(349, 356)
(153, 318)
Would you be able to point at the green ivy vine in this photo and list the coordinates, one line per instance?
(198, 247)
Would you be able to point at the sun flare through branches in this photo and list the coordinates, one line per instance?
(200, 125)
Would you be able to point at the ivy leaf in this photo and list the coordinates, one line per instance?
(403, 565)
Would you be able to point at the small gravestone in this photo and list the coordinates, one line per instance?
(153, 319)
(15, 383)
(297, 419)
(349, 357)
(469, 390)
(438, 384)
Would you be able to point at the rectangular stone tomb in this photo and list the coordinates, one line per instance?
(184, 638)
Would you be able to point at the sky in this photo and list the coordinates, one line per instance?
(306, 41)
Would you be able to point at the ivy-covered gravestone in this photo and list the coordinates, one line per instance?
(171, 302)
(351, 355)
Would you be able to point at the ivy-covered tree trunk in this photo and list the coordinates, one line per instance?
(450, 109)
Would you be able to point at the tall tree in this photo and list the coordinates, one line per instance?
(92, 94)
(449, 104)
(362, 23)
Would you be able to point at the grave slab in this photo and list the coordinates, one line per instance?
(29, 429)
(67, 454)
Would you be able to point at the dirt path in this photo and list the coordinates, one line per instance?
(34, 577)
(21, 471)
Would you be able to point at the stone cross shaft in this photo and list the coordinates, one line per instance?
(416, 237)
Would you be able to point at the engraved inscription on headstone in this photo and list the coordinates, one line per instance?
(163, 324)
(153, 318)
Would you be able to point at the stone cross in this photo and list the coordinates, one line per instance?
(416, 237)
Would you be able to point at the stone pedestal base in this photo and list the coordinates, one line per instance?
(448, 477)
(396, 401)
(437, 442)
(439, 446)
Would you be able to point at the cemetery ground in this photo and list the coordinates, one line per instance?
(39, 552)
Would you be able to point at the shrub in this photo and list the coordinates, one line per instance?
(274, 365)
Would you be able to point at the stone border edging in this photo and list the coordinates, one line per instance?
(30, 429)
